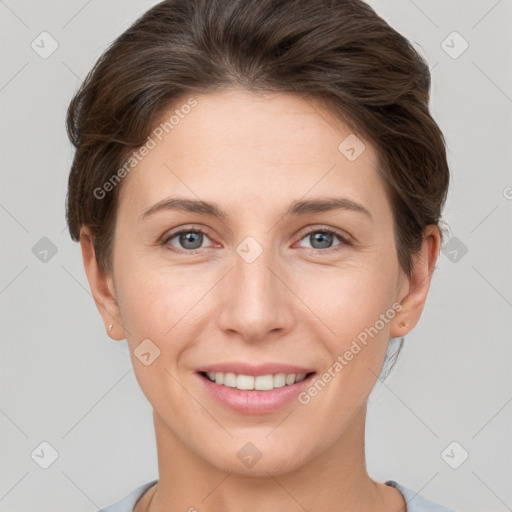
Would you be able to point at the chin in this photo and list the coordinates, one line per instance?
(258, 459)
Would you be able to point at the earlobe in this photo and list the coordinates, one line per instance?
(419, 284)
(102, 288)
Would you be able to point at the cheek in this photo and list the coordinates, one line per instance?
(349, 298)
(159, 299)
(355, 308)
(155, 300)
(358, 309)
(159, 305)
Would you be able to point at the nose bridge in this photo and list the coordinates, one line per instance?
(254, 301)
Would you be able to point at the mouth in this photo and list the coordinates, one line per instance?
(255, 383)
(253, 391)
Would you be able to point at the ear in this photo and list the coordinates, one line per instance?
(102, 287)
(415, 289)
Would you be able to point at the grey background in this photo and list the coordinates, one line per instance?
(63, 381)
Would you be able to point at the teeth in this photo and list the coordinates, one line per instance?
(229, 380)
(245, 382)
(279, 380)
(259, 383)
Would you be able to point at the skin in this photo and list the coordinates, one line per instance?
(297, 303)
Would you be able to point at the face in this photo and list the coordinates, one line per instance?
(287, 270)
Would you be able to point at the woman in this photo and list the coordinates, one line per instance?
(257, 190)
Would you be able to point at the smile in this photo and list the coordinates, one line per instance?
(253, 383)
(246, 394)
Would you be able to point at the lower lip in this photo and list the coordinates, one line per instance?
(254, 402)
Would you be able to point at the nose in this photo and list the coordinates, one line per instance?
(255, 302)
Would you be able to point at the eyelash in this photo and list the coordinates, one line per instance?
(344, 240)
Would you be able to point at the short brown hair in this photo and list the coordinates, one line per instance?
(338, 51)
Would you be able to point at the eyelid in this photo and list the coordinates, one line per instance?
(344, 237)
(190, 228)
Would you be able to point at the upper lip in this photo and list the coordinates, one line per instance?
(241, 368)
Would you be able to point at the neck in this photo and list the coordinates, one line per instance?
(335, 479)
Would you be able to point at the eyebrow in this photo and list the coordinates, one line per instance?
(297, 208)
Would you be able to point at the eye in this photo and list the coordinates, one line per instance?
(322, 239)
(189, 240)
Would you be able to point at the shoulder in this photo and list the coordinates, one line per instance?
(415, 502)
(129, 501)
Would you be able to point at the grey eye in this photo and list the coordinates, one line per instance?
(188, 239)
(191, 240)
(322, 239)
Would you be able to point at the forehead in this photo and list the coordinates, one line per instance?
(240, 146)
